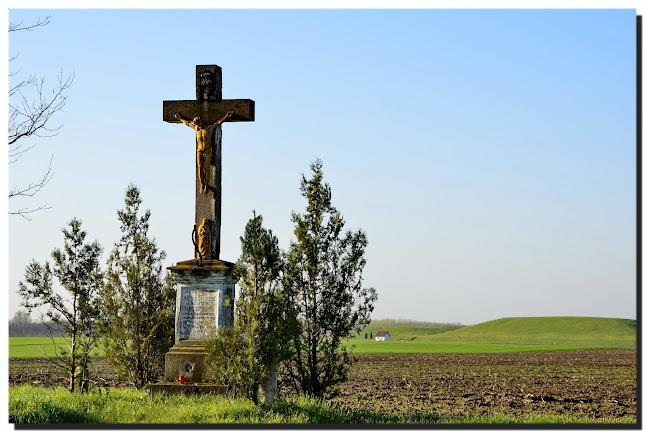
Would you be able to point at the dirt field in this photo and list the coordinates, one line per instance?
(594, 383)
(38, 371)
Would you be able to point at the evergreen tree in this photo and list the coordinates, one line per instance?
(138, 301)
(77, 269)
(246, 356)
(323, 281)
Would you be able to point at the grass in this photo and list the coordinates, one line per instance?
(504, 335)
(599, 332)
(408, 347)
(36, 405)
(32, 347)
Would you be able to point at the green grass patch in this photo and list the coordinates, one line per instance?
(499, 336)
(562, 331)
(504, 335)
(409, 347)
(32, 347)
(36, 405)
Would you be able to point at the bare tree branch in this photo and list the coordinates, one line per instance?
(29, 81)
(39, 23)
(24, 211)
(31, 108)
(19, 151)
(60, 363)
(32, 189)
(30, 117)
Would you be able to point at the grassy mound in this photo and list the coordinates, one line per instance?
(600, 332)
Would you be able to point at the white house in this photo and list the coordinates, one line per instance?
(382, 336)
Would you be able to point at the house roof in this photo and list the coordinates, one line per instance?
(381, 333)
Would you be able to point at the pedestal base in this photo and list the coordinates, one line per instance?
(187, 359)
(205, 298)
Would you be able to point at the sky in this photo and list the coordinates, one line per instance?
(489, 155)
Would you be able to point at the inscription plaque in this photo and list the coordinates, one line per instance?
(198, 313)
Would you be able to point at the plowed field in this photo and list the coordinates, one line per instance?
(592, 383)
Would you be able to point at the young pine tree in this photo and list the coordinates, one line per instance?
(323, 281)
(246, 355)
(138, 301)
(77, 269)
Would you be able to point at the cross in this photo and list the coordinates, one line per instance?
(212, 111)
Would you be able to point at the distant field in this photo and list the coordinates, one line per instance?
(505, 335)
(32, 347)
(602, 332)
(411, 347)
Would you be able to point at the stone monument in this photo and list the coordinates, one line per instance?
(205, 284)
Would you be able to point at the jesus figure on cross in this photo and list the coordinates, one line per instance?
(204, 136)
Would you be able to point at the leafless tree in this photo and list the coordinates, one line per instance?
(19, 26)
(31, 108)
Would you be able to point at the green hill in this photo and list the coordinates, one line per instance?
(601, 332)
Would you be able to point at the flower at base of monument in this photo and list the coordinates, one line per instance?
(182, 379)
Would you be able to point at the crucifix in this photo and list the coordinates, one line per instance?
(205, 115)
(205, 285)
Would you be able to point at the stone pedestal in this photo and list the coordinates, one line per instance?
(188, 359)
(205, 299)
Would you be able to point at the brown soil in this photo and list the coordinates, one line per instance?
(39, 371)
(593, 383)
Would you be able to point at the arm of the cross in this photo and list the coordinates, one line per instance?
(210, 112)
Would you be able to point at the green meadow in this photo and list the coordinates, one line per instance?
(504, 335)
(600, 332)
(441, 347)
(34, 347)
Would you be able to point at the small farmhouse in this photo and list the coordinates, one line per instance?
(382, 336)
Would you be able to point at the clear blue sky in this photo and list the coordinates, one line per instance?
(488, 154)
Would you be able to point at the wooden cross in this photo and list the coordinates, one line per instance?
(210, 107)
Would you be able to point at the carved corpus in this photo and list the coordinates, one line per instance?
(210, 108)
(204, 239)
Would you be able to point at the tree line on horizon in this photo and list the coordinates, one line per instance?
(394, 322)
(23, 325)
